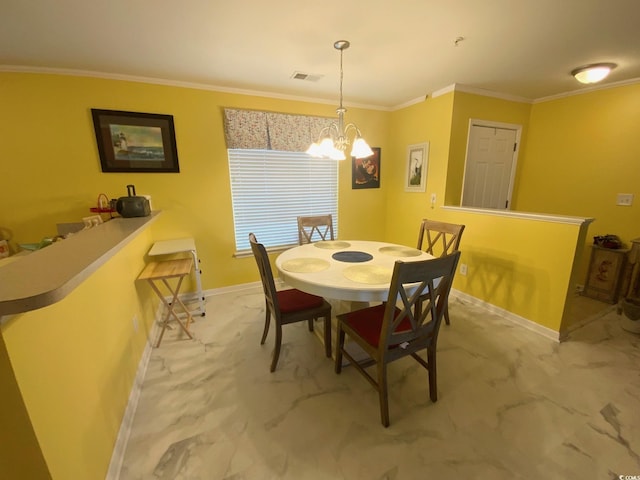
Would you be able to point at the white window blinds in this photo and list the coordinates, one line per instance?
(271, 188)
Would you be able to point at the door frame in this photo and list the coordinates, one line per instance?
(476, 122)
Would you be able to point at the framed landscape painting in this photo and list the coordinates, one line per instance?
(416, 170)
(135, 142)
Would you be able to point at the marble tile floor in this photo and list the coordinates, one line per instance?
(512, 405)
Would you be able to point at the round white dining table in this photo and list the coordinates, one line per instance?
(353, 270)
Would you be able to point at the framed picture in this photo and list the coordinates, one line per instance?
(135, 142)
(365, 172)
(417, 162)
(606, 268)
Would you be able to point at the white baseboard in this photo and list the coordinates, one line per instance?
(507, 315)
(120, 446)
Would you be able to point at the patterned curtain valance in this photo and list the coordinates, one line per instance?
(252, 129)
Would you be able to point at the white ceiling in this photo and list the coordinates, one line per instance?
(401, 50)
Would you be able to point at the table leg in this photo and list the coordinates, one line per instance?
(170, 307)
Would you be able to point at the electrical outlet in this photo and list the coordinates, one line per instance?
(625, 199)
(135, 323)
(463, 269)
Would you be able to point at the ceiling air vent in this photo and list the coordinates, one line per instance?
(308, 77)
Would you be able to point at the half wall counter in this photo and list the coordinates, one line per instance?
(46, 276)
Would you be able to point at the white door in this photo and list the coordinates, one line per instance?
(489, 172)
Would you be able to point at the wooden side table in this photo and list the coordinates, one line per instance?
(183, 245)
(605, 273)
(156, 272)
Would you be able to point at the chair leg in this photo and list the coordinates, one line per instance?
(276, 351)
(339, 346)
(446, 314)
(267, 322)
(382, 393)
(327, 336)
(310, 323)
(433, 380)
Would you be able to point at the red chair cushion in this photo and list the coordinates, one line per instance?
(368, 323)
(294, 300)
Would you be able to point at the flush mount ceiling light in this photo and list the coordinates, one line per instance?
(333, 140)
(593, 73)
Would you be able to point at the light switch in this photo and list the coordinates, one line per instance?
(625, 199)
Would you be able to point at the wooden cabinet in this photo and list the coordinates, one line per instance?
(605, 273)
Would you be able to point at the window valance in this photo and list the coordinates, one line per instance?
(253, 129)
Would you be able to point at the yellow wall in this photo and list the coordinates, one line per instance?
(75, 362)
(469, 106)
(20, 454)
(507, 258)
(581, 151)
(51, 170)
(511, 266)
(50, 173)
(428, 121)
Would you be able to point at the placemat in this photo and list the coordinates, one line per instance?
(352, 256)
(305, 265)
(332, 244)
(369, 274)
(400, 251)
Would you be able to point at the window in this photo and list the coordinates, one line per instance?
(271, 188)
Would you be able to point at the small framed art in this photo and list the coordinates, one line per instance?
(417, 163)
(135, 142)
(365, 172)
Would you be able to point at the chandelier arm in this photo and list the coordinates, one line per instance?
(352, 126)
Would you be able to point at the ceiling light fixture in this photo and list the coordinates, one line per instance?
(333, 141)
(593, 73)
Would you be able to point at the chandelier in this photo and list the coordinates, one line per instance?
(333, 141)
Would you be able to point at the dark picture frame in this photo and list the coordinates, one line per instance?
(365, 172)
(135, 141)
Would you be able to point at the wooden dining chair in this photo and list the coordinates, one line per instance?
(288, 306)
(439, 239)
(396, 329)
(311, 229)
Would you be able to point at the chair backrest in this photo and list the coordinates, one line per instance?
(439, 238)
(417, 299)
(322, 225)
(266, 274)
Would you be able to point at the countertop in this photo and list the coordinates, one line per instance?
(46, 276)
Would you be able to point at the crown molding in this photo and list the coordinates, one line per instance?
(176, 83)
(582, 91)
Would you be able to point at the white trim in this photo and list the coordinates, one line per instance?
(177, 83)
(444, 91)
(120, 447)
(459, 87)
(408, 103)
(541, 217)
(606, 86)
(507, 315)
